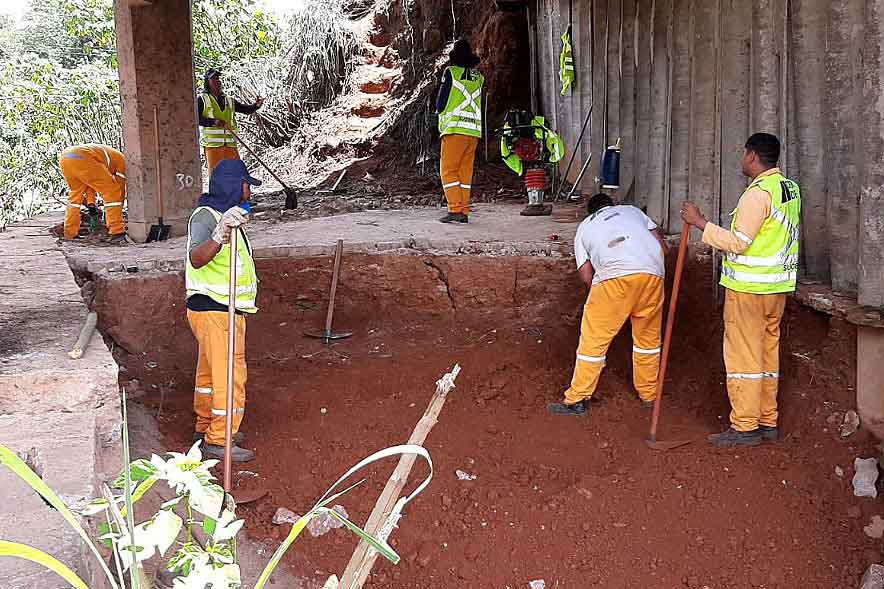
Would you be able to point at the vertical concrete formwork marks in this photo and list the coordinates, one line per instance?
(682, 101)
(702, 175)
(871, 232)
(552, 55)
(628, 31)
(808, 137)
(765, 70)
(843, 93)
(661, 112)
(615, 9)
(644, 22)
(548, 72)
(154, 50)
(599, 83)
(583, 67)
(736, 39)
(567, 104)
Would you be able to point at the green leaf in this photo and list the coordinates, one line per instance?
(29, 553)
(140, 470)
(10, 460)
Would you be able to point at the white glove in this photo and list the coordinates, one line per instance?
(234, 217)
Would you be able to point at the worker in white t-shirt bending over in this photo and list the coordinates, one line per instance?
(619, 253)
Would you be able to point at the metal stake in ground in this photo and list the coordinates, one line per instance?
(327, 335)
(652, 441)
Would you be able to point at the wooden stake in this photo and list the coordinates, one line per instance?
(363, 558)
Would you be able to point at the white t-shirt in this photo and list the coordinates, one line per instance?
(617, 240)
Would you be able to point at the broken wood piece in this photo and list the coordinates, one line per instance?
(334, 187)
(364, 557)
(85, 336)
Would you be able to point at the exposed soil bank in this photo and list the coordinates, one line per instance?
(581, 502)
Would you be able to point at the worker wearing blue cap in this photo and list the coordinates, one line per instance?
(224, 209)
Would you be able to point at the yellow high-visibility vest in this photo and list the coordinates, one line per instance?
(463, 111)
(218, 136)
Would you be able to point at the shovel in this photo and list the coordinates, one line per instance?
(652, 440)
(327, 335)
(249, 495)
(291, 195)
(160, 231)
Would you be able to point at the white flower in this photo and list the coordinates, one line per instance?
(189, 474)
(225, 577)
(155, 535)
(226, 528)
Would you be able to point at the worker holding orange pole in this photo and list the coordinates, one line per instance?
(89, 169)
(619, 252)
(760, 268)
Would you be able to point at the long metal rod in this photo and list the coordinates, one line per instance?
(579, 177)
(670, 320)
(339, 250)
(260, 161)
(574, 152)
(159, 167)
(231, 348)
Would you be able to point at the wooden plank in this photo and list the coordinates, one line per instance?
(735, 101)
(660, 112)
(808, 28)
(628, 66)
(644, 22)
(583, 68)
(682, 100)
(565, 124)
(843, 93)
(364, 557)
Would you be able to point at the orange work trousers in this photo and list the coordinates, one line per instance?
(456, 169)
(87, 173)
(217, 154)
(210, 391)
(637, 297)
(752, 357)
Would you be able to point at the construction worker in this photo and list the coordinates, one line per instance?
(89, 169)
(459, 105)
(207, 276)
(619, 253)
(760, 267)
(218, 120)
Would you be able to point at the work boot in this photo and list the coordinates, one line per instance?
(649, 405)
(577, 409)
(237, 454)
(770, 433)
(464, 218)
(731, 437)
(453, 218)
(118, 239)
(238, 437)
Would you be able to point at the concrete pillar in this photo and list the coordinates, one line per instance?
(154, 50)
(870, 340)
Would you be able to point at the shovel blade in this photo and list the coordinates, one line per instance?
(158, 233)
(249, 495)
(291, 199)
(665, 445)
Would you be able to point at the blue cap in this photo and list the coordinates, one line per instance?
(229, 169)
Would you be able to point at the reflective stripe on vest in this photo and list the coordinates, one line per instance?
(463, 112)
(566, 64)
(218, 136)
(770, 263)
(213, 279)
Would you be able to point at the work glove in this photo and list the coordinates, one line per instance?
(234, 217)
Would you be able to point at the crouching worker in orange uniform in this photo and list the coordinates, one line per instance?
(760, 268)
(90, 169)
(619, 253)
(207, 278)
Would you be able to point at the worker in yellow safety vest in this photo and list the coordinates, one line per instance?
(620, 257)
(459, 105)
(217, 119)
(90, 169)
(207, 280)
(760, 268)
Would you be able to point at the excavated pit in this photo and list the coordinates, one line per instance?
(578, 502)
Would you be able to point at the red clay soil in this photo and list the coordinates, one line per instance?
(578, 502)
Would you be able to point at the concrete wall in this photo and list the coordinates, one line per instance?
(684, 82)
(156, 70)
